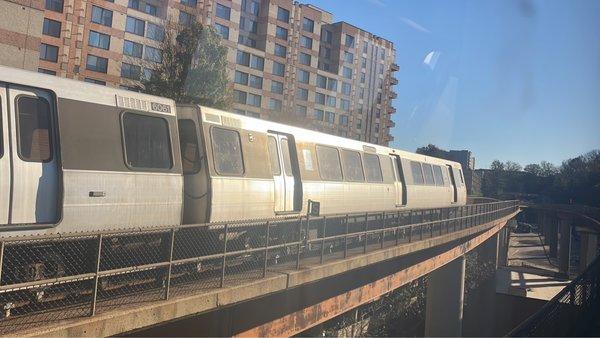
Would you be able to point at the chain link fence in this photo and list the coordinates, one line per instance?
(48, 278)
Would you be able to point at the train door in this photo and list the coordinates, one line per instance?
(4, 158)
(453, 184)
(33, 156)
(284, 174)
(400, 182)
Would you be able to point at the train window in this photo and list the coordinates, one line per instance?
(285, 153)
(274, 156)
(387, 168)
(439, 178)
(428, 172)
(188, 141)
(227, 152)
(147, 143)
(460, 173)
(34, 129)
(353, 170)
(373, 168)
(417, 172)
(328, 159)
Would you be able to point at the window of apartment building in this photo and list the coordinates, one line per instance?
(55, 5)
(345, 104)
(150, 9)
(99, 40)
(185, 18)
(319, 114)
(153, 54)
(326, 36)
(358, 124)
(278, 68)
(332, 84)
(143, 7)
(254, 100)
(280, 50)
(303, 76)
(365, 47)
(275, 104)
(147, 73)
(223, 12)
(223, 31)
(94, 81)
(344, 120)
(321, 81)
(155, 32)
(301, 110)
(379, 98)
(331, 101)
(306, 42)
(320, 98)
(102, 16)
(135, 26)
(326, 52)
(246, 41)
(348, 57)
(381, 69)
(240, 96)
(363, 63)
(241, 78)
(248, 25)
(255, 81)
(304, 59)
(283, 14)
(308, 25)
(190, 3)
(376, 127)
(349, 40)
(302, 94)
(346, 88)
(133, 49)
(281, 33)
(130, 71)
(51, 28)
(379, 84)
(276, 87)
(362, 93)
(382, 53)
(377, 113)
(48, 52)
(46, 71)
(257, 62)
(362, 77)
(243, 58)
(347, 72)
(329, 117)
(360, 109)
(96, 63)
(251, 6)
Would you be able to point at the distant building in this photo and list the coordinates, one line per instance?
(287, 61)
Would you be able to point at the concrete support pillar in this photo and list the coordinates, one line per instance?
(564, 246)
(491, 248)
(553, 235)
(589, 248)
(445, 297)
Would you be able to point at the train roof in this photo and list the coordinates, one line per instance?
(219, 117)
(88, 92)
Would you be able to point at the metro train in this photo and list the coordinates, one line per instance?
(80, 157)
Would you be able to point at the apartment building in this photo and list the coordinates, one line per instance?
(288, 62)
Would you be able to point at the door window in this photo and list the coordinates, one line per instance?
(328, 159)
(274, 156)
(188, 142)
(147, 143)
(227, 152)
(34, 129)
(373, 168)
(417, 173)
(285, 152)
(352, 164)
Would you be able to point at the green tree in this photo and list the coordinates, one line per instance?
(430, 150)
(497, 165)
(193, 68)
(534, 169)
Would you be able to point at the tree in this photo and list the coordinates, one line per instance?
(497, 165)
(547, 169)
(430, 150)
(534, 169)
(512, 166)
(193, 68)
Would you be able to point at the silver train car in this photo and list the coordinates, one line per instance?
(79, 157)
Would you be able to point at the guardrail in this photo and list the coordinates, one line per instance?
(570, 311)
(53, 277)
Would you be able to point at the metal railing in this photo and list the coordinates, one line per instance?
(570, 312)
(53, 277)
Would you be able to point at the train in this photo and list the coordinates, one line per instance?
(81, 157)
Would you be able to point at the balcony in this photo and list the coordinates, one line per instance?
(394, 67)
(393, 81)
(393, 95)
(391, 110)
(388, 138)
(391, 124)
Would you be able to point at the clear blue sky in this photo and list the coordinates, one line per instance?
(508, 79)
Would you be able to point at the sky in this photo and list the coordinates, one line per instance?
(511, 80)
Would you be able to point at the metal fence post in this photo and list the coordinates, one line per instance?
(299, 241)
(383, 231)
(397, 228)
(224, 261)
(170, 267)
(346, 239)
(96, 277)
(366, 229)
(1, 260)
(266, 251)
(323, 238)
